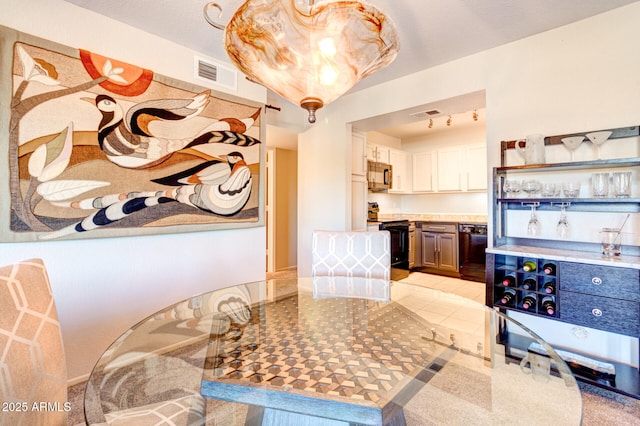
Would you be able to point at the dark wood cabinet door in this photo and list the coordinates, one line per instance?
(429, 246)
(448, 251)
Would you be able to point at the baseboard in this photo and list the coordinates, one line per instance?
(77, 380)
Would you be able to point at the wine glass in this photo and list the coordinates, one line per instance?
(598, 138)
(533, 227)
(562, 228)
(572, 143)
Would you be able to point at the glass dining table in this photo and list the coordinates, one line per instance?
(336, 351)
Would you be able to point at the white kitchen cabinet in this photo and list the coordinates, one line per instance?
(401, 180)
(358, 203)
(457, 169)
(423, 171)
(378, 153)
(449, 169)
(358, 154)
(475, 167)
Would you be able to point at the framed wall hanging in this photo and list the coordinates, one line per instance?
(95, 147)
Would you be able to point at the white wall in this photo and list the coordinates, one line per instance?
(104, 286)
(580, 77)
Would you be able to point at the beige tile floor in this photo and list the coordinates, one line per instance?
(457, 305)
(468, 289)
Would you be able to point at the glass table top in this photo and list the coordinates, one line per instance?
(333, 350)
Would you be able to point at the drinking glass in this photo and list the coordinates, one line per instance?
(562, 228)
(600, 184)
(549, 190)
(533, 227)
(571, 189)
(530, 186)
(610, 241)
(511, 187)
(622, 184)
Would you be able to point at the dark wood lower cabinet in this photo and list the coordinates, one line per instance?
(439, 248)
(600, 297)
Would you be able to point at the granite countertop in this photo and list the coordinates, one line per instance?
(593, 258)
(435, 217)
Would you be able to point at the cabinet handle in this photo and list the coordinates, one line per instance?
(596, 280)
(596, 312)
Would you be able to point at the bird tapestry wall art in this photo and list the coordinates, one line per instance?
(97, 147)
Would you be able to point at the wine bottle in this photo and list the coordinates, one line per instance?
(509, 280)
(529, 301)
(549, 304)
(549, 287)
(529, 266)
(508, 296)
(529, 284)
(549, 268)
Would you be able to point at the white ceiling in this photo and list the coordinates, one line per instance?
(431, 32)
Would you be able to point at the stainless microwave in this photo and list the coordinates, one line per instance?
(378, 176)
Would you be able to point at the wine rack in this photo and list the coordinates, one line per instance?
(512, 276)
(588, 293)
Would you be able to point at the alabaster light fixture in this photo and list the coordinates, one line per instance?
(309, 51)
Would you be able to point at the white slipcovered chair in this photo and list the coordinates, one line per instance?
(352, 254)
(32, 360)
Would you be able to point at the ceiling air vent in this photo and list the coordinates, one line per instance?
(421, 114)
(215, 72)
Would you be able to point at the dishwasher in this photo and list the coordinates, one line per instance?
(472, 246)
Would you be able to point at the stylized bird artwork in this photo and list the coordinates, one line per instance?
(220, 187)
(214, 186)
(142, 137)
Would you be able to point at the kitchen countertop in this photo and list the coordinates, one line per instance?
(434, 217)
(593, 258)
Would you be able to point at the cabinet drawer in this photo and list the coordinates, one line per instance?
(618, 283)
(439, 227)
(602, 313)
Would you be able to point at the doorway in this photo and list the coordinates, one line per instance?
(281, 204)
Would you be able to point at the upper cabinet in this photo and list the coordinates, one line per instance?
(401, 178)
(450, 169)
(358, 154)
(358, 181)
(423, 171)
(475, 171)
(461, 168)
(378, 153)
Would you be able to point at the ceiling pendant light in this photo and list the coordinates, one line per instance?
(310, 52)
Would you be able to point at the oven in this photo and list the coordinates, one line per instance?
(472, 246)
(399, 230)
